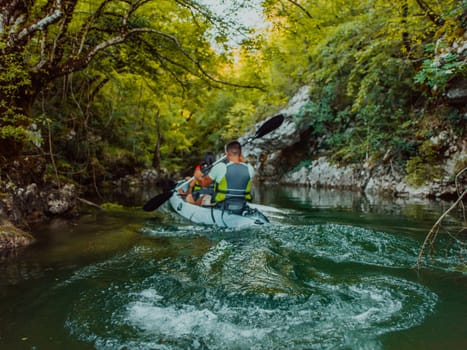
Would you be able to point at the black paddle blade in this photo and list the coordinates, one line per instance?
(270, 125)
(157, 201)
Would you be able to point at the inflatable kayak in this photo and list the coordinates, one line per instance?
(211, 215)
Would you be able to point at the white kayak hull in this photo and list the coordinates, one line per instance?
(216, 216)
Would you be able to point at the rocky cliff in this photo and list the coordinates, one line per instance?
(290, 155)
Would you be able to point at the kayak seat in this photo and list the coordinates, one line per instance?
(233, 205)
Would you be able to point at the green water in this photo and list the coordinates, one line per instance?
(333, 271)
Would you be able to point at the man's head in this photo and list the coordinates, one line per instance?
(233, 148)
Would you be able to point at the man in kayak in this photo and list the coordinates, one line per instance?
(232, 179)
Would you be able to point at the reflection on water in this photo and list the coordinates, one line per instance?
(333, 271)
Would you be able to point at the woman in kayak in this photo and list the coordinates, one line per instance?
(197, 194)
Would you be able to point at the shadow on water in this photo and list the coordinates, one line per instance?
(333, 271)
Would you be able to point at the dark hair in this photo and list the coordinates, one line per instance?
(209, 158)
(234, 147)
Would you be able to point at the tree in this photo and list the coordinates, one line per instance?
(360, 59)
(43, 40)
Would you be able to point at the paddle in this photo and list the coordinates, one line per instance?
(268, 126)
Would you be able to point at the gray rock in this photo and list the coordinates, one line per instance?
(62, 200)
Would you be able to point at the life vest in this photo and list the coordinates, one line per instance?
(197, 186)
(235, 184)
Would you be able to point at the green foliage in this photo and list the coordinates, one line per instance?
(443, 62)
(437, 72)
(14, 132)
(320, 112)
(109, 101)
(112, 206)
(13, 122)
(361, 60)
(419, 171)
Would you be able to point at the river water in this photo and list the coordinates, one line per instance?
(333, 271)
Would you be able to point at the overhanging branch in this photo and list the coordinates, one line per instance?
(42, 23)
(74, 65)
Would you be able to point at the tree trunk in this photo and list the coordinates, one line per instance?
(156, 160)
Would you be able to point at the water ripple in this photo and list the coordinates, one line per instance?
(261, 292)
(341, 243)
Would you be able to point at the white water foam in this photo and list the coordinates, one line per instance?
(183, 321)
(333, 314)
(245, 294)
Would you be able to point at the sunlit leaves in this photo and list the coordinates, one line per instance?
(162, 82)
(361, 57)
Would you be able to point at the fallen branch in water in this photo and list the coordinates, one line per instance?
(90, 203)
(431, 236)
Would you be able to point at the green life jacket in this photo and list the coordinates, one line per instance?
(197, 186)
(235, 184)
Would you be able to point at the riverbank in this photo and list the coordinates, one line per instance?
(379, 179)
(23, 207)
(291, 155)
(27, 200)
(27, 206)
(12, 237)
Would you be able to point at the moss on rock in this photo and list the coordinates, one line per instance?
(12, 237)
